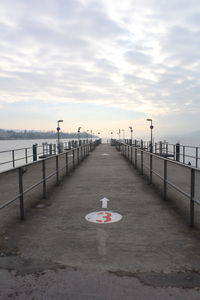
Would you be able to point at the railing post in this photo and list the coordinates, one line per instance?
(160, 148)
(50, 149)
(151, 170)
(34, 152)
(26, 155)
(81, 152)
(13, 158)
(88, 149)
(78, 155)
(131, 154)
(44, 177)
(67, 163)
(57, 170)
(21, 198)
(192, 194)
(184, 154)
(73, 158)
(136, 158)
(177, 152)
(167, 148)
(142, 162)
(165, 180)
(196, 157)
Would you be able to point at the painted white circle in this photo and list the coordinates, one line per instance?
(103, 217)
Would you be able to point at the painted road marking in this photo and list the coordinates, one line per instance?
(103, 217)
(104, 202)
(105, 154)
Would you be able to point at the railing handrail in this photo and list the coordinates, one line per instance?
(15, 155)
(18, 149)
(85, 149)
(193, 199)
(163, 158)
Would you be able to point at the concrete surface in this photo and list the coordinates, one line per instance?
(56, 254)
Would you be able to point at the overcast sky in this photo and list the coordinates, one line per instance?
(104, 64)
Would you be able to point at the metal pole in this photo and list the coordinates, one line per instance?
(142, 162)
(131, 154)
(67, 163)
(192, 194)
(44, 177)
(196, 157)
(81, 152)
(78, 155)
(73, 158)
(21, 198)
(136, 158)
(57, 170)
(26, 155)
(13, 158)
(177, 152)
(58, 129)
(151, 168)
(34, 152)
(165, 180)
(131, 137)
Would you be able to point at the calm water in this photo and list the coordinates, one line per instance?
(18, 144)
(20, 154)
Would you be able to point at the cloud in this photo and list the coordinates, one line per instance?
(142, 56)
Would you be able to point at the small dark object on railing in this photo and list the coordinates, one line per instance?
(34, 152)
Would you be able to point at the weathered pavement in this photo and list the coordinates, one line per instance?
(57, 254)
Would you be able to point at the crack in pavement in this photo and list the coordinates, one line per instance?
(187, 280)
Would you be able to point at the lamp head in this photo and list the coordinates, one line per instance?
(60, 121)
(149, 120)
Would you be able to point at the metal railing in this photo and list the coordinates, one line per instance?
(12, 158)
(25, 178)
(182, 178)
(19, 154)
(185, 154)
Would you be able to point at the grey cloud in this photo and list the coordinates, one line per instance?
(138, 58)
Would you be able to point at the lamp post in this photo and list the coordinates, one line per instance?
(111, 135)
(58, 132)
(119, 134)
(123, 135)
(87, 135)
(79, 129)
(151, 127)
(131, 129)
(91, 135)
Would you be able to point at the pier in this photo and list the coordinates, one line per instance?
(60, 238)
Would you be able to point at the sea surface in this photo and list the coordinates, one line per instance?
(191, 153)
(6, 158)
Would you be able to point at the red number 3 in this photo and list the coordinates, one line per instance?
(106, 216)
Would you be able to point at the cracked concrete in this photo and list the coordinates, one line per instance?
(56, 254)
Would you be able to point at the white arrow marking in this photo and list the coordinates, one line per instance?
(104, 202)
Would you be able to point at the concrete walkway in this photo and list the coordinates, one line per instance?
(57, 254)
